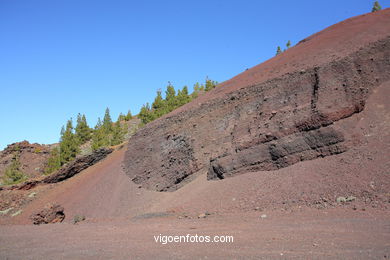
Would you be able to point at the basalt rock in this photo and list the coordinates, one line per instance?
(76, 166)
(258, 123)
(52, 213)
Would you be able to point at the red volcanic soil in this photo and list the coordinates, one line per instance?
(292, 212)
(330, 44)
(32, 157)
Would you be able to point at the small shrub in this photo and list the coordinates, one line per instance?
(37, 150)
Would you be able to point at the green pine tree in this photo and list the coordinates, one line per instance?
(99, 137)
(170, 97)
(13, 174)
(196, 90)
(376, 7)
(118, 134)
(159, 105)
(121, 117)
(82, 130)
(107, 122)
(210, 84)
(54, 161)
(278, 50)
(145, 114)
(183, 97)
(288, 44)
(128, 115)
(69, 146)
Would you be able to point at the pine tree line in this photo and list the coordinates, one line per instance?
(107, 133)
(162, 106)
(104, 134)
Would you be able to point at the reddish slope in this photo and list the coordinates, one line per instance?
(103, 191)
(332, 43)
(272, 116)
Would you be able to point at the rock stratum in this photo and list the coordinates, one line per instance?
(271, 116)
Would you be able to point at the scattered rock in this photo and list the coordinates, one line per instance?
(17, 213)
(341, 199)
(32, 195)
(6, 211)
(345, 199)
(52, 213)
(203, 215)
(263, 216)
(78, 218)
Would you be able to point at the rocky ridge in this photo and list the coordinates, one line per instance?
(264, 126)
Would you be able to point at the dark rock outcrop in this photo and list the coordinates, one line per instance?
(67, 171)
(76, 166)
(51, 213)
(271, 124)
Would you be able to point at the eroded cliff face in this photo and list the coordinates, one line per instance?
(264, 126)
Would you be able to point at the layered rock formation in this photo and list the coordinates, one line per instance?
(274, 115)
(76, 166)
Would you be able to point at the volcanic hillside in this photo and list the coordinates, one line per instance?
(255, 158)
(32, 157)
(297, 106)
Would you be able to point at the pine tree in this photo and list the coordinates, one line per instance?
(68, 144)
(121, 117)
(118, 134)
(278, 50)
(146, 115)
(159, 105)
(183, 97)
(99, 138)
(210, 84)
(288, 44)
(376, 7)
(128, 116)
(54, 161)
(82, 130)
(13, 174)
(196, 90)
(107, 122)
(170, 97)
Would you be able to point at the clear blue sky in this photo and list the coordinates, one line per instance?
(58, 58)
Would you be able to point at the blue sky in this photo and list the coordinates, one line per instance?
(58, 58)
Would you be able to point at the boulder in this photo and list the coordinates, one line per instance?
(51, 213)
